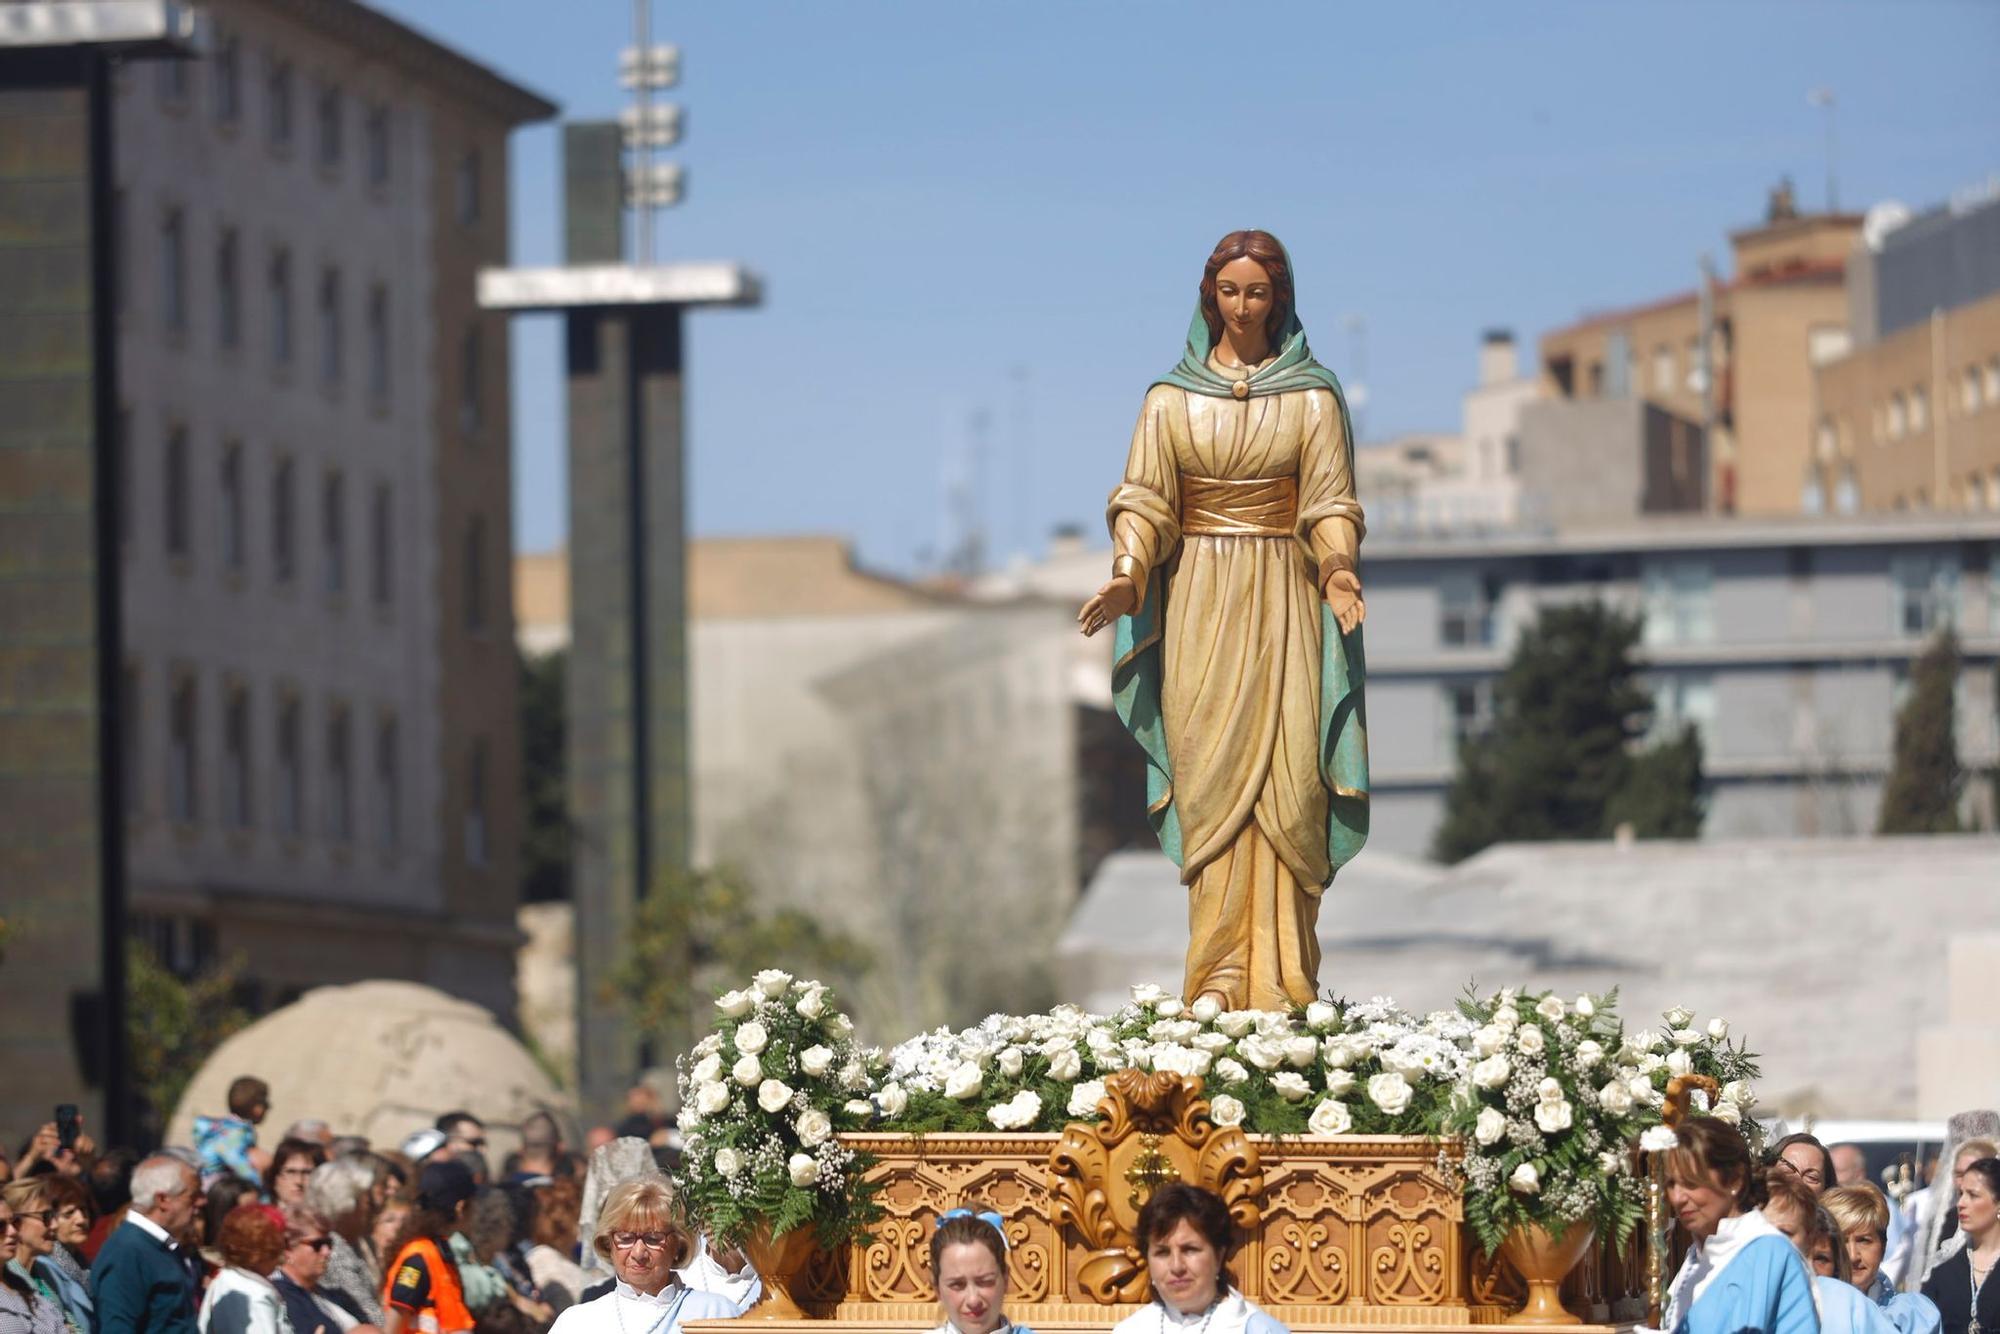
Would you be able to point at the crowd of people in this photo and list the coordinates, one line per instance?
(324, 1233)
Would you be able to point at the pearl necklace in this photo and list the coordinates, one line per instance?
(1206, 1316)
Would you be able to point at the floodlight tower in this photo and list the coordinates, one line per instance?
(627, 678)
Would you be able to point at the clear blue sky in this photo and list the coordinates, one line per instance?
(963, 207)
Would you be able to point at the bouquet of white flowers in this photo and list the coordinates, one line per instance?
(762, 1099)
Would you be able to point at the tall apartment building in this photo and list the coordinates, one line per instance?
(319, 687)
(1781, 313)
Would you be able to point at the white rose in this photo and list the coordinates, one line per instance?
(811, 1005)
(1644, 1040)
(1205, 1008)
(1506, 1017)
(1231, 1071)
(711, 1098)
(1009, 1062)
(859, 1108)
(1610, 1163)
(1659, 1139)
(751, 1038)
(1685, 1037)
(840, 1026)
(1652, 1061)
(1491, 1125)
(1738, 1092)
(1213, 1043)
(1585, 1006)
(1017, 1112)
(1391, 1092)
(854, 1077)
(747, 1071)
(1643, 1091)
(1302, 1050)
(728, 1161)
(1615, 1098)
(1225, 1111)
(709, 1045)
(816, 1061)
(1340, 1083)
(1526, 1180)
(1679, 1017)
(1339, 1053)
(1489, 1039)
(1492, 1073)
(1678, 1062)
(1551, 1008)
(1291, 1085)
(804, 1169)
(1065, 1065)
(1718, 1028)
(773, 1095)
(964, 1082)
(735, 1004)
(1083, 1099)
(1588, 1055)
(1148, 994)
(1331, 1117)
(772, 982)
(1170, 1007)
(1549, 1090)
(1320, 1016)
(1236, 1023)
(1262, 1052)
(1728, 1113)
(813, 1126)
(707, 1070)
(893, 1099)
(1553, 1116)
(1531, 1040)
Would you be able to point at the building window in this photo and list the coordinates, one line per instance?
(1898, 416)
(236, 753)
(1468, 712)
(278, 103)
(284, 523)
(281, 308)
(228, 292)
(291, 791)
(1680, 700)
(1846, 493)
(226, 73)
(234, 544)
(475, 575)
(468, 187)
(382, 546)
(1679, 601)
(331, 109)
(388, 782)
(1968, 393)
(175, 494)
(475, 804)
(333, 533)
(1993, 382)
(132, 723)
(329, 327)
(377, 135)
(1920, 409)
(173, 268)
(469, 380)
(1663, 369)
(1826, 439)
(339, 778)
(1924, 586)
(183, 752)
(1465, 610)
(378, 343)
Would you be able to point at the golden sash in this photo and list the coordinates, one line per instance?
(1254, 507)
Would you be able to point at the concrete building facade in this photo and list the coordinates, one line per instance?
(319, 684)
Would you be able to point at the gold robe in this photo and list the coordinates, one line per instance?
(1240, 680)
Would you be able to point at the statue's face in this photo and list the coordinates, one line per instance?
(1243, 295)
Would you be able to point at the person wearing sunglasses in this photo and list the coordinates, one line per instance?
(642, 1236)
(23, 1308)
(969, 1267)
(308, 1244)
(34, 1218)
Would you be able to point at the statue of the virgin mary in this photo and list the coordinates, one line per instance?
(1237, 597)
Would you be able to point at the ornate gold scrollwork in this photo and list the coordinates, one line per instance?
(1154, 1128)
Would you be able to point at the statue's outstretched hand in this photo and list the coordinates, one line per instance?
(1117, 598)
(1343, 595)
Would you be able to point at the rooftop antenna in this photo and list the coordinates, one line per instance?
(1823, 98)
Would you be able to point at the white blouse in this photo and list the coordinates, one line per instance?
(626, 1310)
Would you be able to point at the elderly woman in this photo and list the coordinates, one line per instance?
(343, 1194)
(640, 1233)
(23, 1310)
(34, 1218)
(1741, 1272)
(1862, 1215)
(241, 1299)
(71, 1213)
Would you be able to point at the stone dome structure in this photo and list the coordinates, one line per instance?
(380, 1059)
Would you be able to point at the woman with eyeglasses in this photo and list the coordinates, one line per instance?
(26, 1307)
(969, 1267)
(1804, 1157)
(308, 1243)
(642, 1236)
(292, 1164)
(47, 1211)
(240, 1298)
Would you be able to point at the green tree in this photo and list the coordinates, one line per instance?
(1558, 761)
(546, 832)
(714, 914)
(1926, 779)
(172, 1026)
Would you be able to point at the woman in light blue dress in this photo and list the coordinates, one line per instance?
(1741, 1273)
(1861, 1213)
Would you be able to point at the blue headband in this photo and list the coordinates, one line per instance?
(987, 1217)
